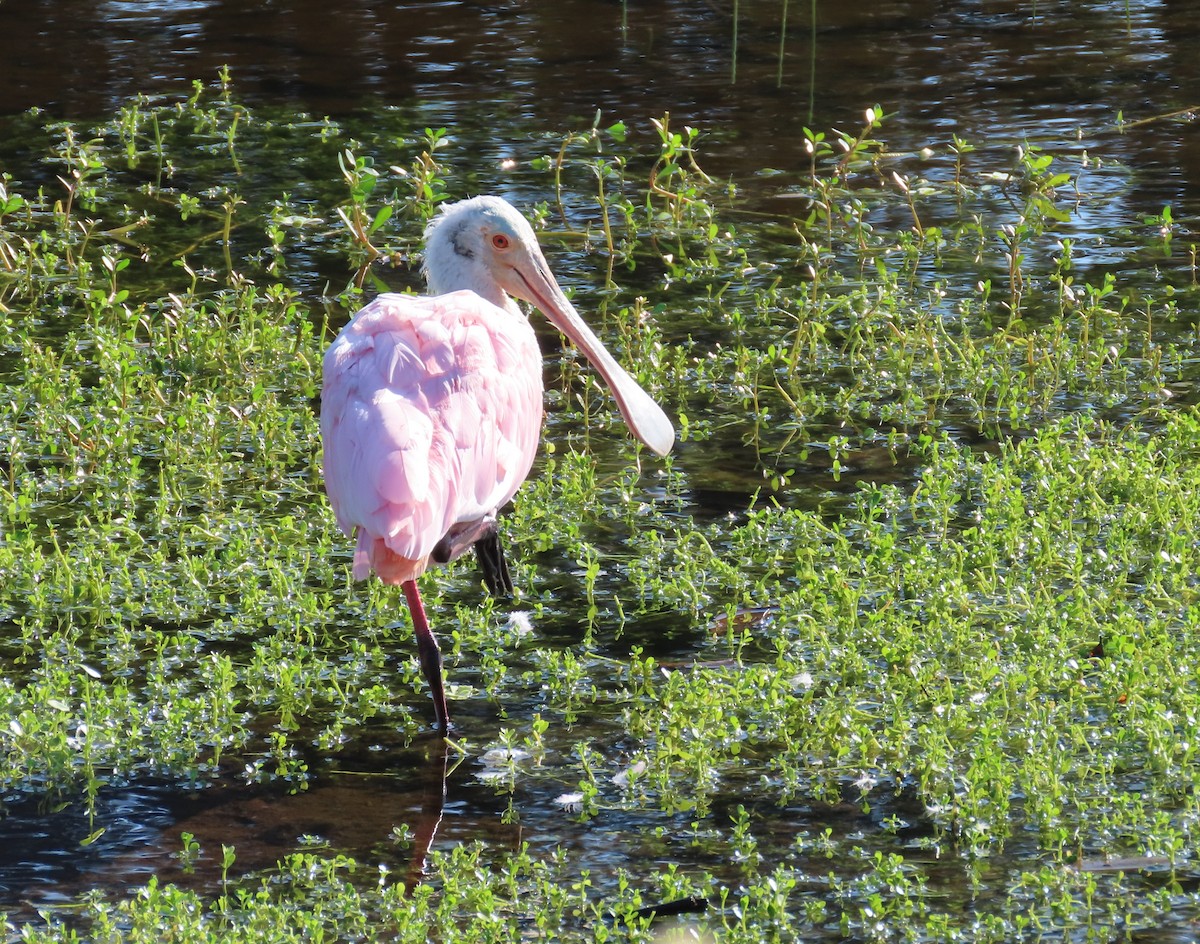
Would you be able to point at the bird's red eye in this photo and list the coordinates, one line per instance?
(500, 241)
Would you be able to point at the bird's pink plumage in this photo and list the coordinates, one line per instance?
(431, 413)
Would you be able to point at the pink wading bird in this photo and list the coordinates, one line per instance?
(432, 407)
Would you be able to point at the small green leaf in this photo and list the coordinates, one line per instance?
(87, 841)
(384, 214)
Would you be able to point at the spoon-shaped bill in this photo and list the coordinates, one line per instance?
(645, 418)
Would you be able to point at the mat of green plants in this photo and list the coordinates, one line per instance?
(899, 644)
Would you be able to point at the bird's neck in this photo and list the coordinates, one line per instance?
(486, 288)
(448, 270)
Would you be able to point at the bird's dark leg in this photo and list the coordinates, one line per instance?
(484, 536)
(428, 653)
(490, 554)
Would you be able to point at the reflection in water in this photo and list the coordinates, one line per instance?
(991, 73)
(355, 807)
(433, 805)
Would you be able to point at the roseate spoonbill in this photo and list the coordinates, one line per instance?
(431, 407)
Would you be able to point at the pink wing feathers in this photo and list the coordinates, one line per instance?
(430, 417)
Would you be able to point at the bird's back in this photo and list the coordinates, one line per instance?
(431, 411)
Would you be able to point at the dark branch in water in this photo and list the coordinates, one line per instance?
(692, 904)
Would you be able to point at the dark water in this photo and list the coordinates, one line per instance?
(988, 72)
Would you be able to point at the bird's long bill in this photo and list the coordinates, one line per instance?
(645, 418)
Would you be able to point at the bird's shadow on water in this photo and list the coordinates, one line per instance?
(382, 802)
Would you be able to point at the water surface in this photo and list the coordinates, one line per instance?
(988, 72)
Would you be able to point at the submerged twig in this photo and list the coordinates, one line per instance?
(692, 904)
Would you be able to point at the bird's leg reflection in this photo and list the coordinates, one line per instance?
(431, 811)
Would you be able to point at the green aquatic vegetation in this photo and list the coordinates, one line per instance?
(915, 657)
(921, 559)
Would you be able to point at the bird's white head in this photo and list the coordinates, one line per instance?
(485, 245)
(475, 244)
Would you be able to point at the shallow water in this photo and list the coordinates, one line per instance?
(987, 72)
